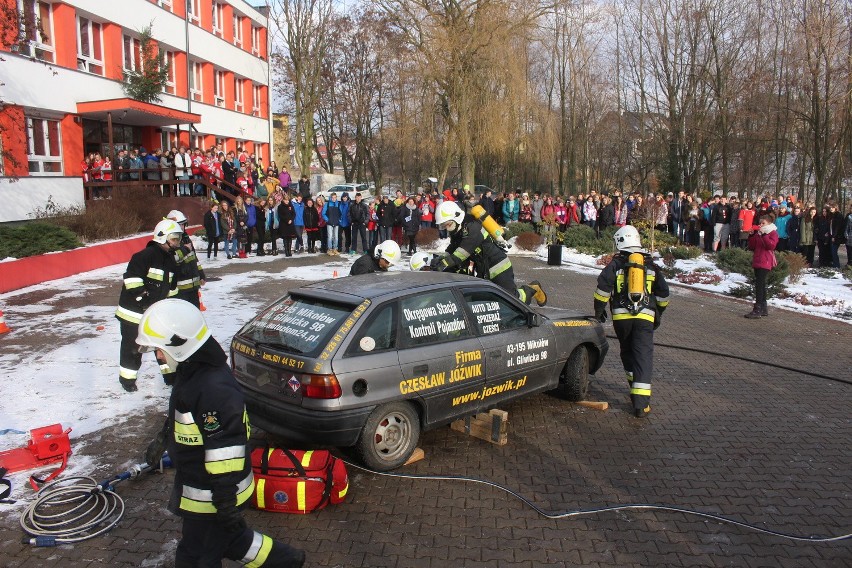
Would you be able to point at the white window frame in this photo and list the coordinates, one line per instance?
(238, 29)
(166, 5)
(90, 63)
(218, 17)
(170, 86)
(196, 82)
(219, 88)
(197, 141)
(255, 99)
(258, 151)
(41, 160)
(255, 40)
(136, 53)
(34, 46)
(193, 11)
(239, 87)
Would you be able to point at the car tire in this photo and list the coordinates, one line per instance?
(389, 436)
(574, 378)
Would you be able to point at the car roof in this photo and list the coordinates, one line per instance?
(379, 284)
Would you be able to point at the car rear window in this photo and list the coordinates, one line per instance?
(297, 325)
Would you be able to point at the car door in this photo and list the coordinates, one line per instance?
(441, 359)
(519, 358)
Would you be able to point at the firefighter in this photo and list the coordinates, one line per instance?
(379, 259)
(420, 261)
(637, 294)
(190, 273)
(206, 433)
(151, 275)
(469, 241)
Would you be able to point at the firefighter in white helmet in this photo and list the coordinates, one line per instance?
(469, 241)
(190, 273)
(379, 259)
(151, 275)
(637, 293)
(206, 433)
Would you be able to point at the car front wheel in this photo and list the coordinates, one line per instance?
(574, 379)
(389, 436)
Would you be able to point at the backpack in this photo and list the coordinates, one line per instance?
(297, 481)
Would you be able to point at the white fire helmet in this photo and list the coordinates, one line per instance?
(447, 212)
(174, 326)
(627, 238)
(389, 251)
(176, 216)
(165, 230)
(419, 261)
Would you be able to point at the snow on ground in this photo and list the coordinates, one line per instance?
(80, 378)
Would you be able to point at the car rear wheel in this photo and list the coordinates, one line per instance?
(389, 436)
(574, 379)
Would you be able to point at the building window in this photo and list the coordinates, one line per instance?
(193, 11)
(255, 40)
(165, 4)
(197, 141)
(219, 88)
(222, 145)
(90, 56)
(258, 152)
(132, 54)
(218, 19)
(195, 83)
(44, 148)
(238, 95)
(36, 30)
(169, 58)
(255, 100)
(238, 30)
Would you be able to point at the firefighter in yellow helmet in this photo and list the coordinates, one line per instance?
(151, 275)
(206, 433)
(637, 293)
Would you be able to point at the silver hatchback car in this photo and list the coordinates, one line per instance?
(371, 361)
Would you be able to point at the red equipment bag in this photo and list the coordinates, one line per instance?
(297, 481)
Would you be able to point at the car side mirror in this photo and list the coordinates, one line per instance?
(533, 319)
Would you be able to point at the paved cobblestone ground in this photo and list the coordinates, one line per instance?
(756, 443)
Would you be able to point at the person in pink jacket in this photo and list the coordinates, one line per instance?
(763, 242)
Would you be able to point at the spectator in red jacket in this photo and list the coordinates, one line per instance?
(763, 242)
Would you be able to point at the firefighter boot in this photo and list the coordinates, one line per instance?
(539, 296)
(642, 412)
(754, 313)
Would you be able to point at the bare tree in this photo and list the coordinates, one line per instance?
(301, 26)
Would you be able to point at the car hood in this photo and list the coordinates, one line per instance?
(561, 314)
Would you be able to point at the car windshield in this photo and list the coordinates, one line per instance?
(297, 325)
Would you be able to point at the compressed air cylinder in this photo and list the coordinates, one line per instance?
(488, 222)
(636, 277)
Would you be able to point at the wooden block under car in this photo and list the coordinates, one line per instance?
(603, 405)
(490, 426)
(418, 455)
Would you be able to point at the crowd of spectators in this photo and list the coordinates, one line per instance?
(283, 209)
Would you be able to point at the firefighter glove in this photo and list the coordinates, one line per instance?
(600, 315)
(128, 384)
(156, 449)
(227, 513)
(658, 321)
(437, 264)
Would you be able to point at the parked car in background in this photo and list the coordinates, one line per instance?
(369, 362)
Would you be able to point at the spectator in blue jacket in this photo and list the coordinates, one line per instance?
(511, 208)
(331, 216)
(781, 228)
(299, 221)
(251, 222)
(345, 225)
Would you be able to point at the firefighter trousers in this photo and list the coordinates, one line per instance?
(636, 339)
(205, 543)
(129, 358)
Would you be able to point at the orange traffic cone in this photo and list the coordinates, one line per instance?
(334, 275)
(3, 327)
(201, 305)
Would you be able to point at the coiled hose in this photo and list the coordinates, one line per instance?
(71, 510)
